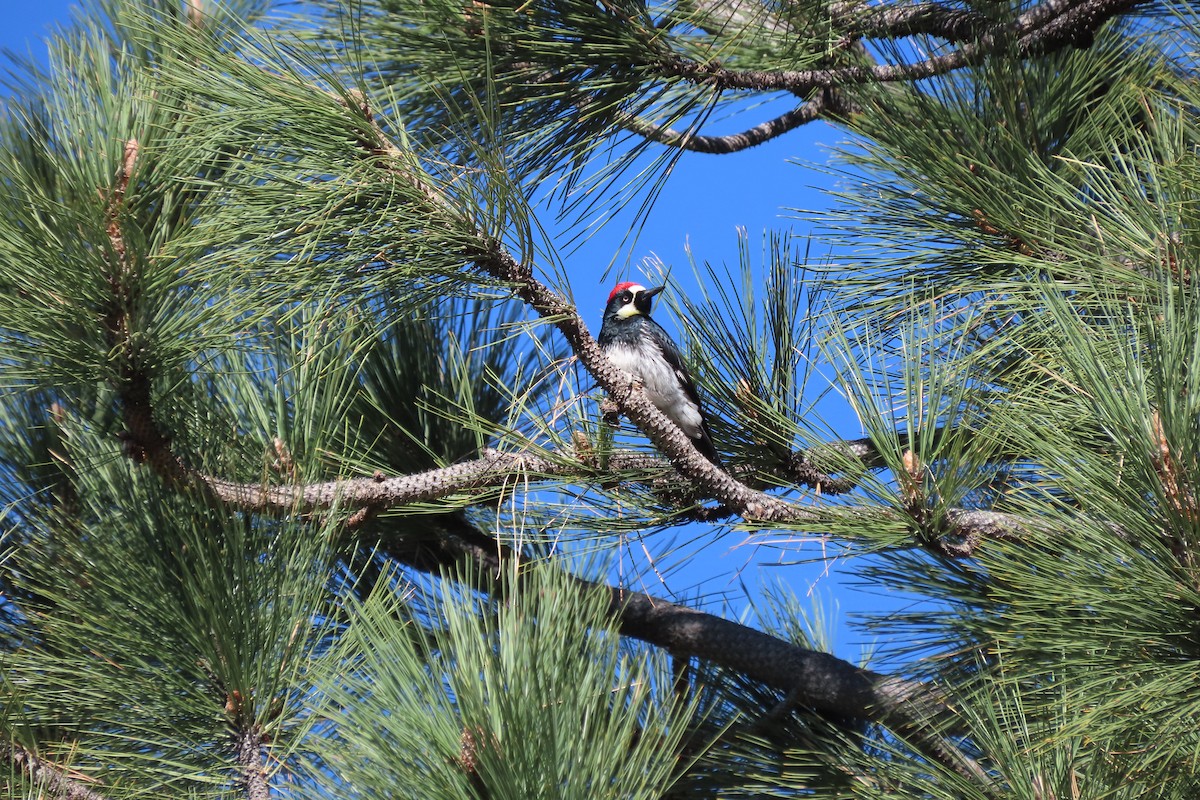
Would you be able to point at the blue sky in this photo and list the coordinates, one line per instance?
(25, 23)
(707, 199)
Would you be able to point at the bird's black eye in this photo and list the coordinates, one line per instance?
(627, 297)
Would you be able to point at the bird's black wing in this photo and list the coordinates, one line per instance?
(675, 359)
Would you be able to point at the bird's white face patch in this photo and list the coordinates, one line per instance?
(630, 309)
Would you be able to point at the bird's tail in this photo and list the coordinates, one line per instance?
(704, 444)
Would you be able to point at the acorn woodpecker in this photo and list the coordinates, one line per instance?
(639, 345)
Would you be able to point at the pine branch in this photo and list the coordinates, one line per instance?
(824, 682)
(144, 439)
(60, 783)
(249, 757)
(495, 470)
(807, 112)
(931, 19)
(816, 680)
(146, 442)
(1042, 29)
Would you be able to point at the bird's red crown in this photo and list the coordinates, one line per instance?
(620, 287)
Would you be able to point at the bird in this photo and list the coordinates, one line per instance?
(639, 346)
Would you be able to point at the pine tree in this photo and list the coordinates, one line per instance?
(314, 478)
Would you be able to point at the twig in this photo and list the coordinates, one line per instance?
(195, 13)
(731, 143)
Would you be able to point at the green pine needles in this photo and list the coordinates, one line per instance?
(314, 482)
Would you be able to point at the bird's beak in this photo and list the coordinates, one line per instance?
(642, 301)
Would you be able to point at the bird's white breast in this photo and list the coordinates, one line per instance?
(662, 384)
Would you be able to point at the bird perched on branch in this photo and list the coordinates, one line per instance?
(639, 345)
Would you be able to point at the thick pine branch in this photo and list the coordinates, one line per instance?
(249, 744)
(497, 470)
(816, 680)
(825, 682)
